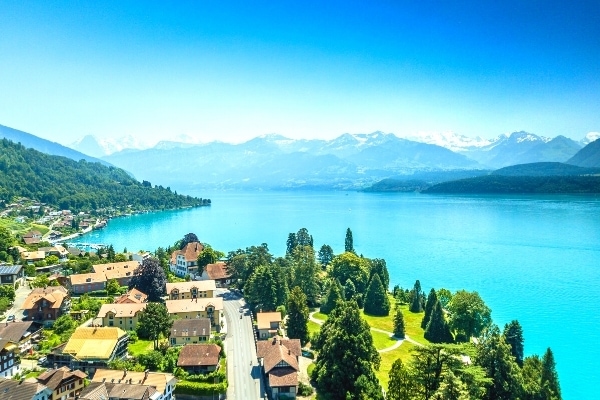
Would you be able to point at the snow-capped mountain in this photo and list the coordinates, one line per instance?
(450, 140)
(96, 147)
(590, 137)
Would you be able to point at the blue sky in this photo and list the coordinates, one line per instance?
(234, 70)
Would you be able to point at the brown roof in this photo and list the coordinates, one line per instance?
(82, 279)
(185, 287)
(191, 305)
(106, 390)
(190, 327)
(33, 255)
(53, 378)
(128, 266)
(217, 271)
(16, 390)
(14, 331)
(191, 251)
(275, 350)
(31, 240)
(53, 294)
(121, 310)
(193, 355)
(133, 296)
(264, 319)
(157, 380)
(280, 377)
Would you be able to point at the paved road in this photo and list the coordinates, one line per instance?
(243, 372)
(20, 297)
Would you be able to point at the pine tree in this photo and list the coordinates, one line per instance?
(401, 385)
(349, 242)
(549, 383)
(513, 335)
(415, 305)
(376, 300)
(399, 329)
(437, 330)
(334, 294)
(349, 290)
(431, 300)
(297, 319)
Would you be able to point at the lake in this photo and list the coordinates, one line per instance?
(535, 259)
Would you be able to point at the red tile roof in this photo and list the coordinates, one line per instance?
(193, 355)
(217, 271)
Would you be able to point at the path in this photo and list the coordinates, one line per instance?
(390, 334)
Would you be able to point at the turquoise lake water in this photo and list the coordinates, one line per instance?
(535, 259)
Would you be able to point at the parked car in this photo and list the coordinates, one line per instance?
(42, 360)
(10, 318)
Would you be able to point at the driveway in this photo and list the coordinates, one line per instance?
(17, 308)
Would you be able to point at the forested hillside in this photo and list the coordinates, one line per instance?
(78, 185)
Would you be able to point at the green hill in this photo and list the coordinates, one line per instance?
(497, 184)
(545, 169)
(78, 185)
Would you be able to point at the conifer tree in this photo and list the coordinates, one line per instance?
(399, 329)
(549, 383)
(437, 330)
(297, 318)
(334, 294)
(513, 335)
(401, 385)
(415, 305)
(431, 300)
(376, 300)
(347, 356)
(349, 242)
(349, 290)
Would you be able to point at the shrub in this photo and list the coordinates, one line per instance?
(200, 388)
(304, 389)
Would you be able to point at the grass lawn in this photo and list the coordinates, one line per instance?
(34, 374)
(313, 327)
(140, 347)
(412, 325)
(381, 340)
(387, 359)
(321, 316)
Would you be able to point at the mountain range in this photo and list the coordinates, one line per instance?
(45, 146)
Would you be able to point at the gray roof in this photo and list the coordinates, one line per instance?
(190, 327)
(10, 269)
(19, 390)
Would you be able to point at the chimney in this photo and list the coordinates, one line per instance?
(146, 374)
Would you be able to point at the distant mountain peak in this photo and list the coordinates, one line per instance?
(590, 137)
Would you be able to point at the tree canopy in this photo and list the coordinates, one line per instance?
(150, 278)
(347, 356)
(376, 299)
(297, 316)
(153, 321)
(469, 315)
(349, 242)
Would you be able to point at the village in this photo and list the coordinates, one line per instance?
(223, 349)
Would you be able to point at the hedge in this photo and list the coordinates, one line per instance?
(200, 388)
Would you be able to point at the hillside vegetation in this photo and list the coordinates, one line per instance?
(78, 185)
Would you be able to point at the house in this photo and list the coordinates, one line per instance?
(22, 334)
(32, 237)
(57, 250)
(164, 383)
(132, 296)
(10, 274)
(90, 348)
(84, 283)
(32, 256)
(21, 390)
(279, 360)
(216, 272)
(60, 278)
(121, 271)
(63, 382)
(190, 290)
(211, 308)
(47, 304)
(10, 364)
(185, 261)
(268, 324)
(124, 315)
(199, 358)
(118, 391)
(189, 331)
